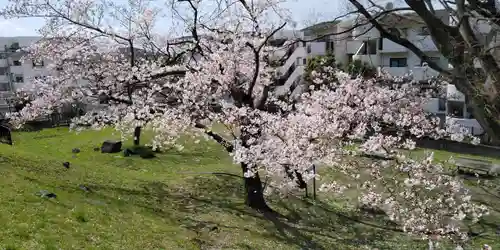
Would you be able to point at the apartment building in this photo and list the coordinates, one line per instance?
(15, 74)
(364, 43)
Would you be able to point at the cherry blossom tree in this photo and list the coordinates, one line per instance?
(221, 74)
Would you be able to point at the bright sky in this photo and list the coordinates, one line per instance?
(305, 12)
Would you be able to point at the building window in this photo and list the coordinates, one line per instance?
(456, 109)
(308, 49)
(441, 104)
(40, 78)
(16, 63)
(3, 55)
(329, 45)
(19, 79)
(469, 112)
(4, 86)
(14, 47)
(398, 62)
(423, 31)
(4, 70)
(38, 63)
(303, 44)
(372, 47)
(304, 61)
(381, 43)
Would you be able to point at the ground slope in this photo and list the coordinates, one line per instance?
(161, 203)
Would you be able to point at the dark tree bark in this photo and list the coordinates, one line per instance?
(254, 192)
(137, 135)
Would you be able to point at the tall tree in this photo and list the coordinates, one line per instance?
(229, 81)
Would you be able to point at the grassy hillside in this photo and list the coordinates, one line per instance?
(161, 203)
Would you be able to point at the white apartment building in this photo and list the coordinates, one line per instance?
(15, 74)
(365, 44)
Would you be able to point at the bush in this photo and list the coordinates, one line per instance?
(360, 68)
(318, 65)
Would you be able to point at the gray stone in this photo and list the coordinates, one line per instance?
(127, 152)
(111, 147)
(46, 194)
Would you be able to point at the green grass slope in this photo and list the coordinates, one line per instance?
(162, 203)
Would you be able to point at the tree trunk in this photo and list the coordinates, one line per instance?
(486, 112)
(137, 135)
(254, 192)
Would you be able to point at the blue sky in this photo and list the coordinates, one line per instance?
(304, 12)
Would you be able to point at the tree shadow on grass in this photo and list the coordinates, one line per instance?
(487, 194)
(212, 207)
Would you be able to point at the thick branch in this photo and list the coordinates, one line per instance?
(219, 139)
(399, 40)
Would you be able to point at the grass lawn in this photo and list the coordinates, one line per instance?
(163, 203)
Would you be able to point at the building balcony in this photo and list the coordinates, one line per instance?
(299, 52)
(435, 106)
(453, 94)
(425, 43)
(4, 78)
(423, 73)
(4, 63)
(352, 46)
(17, 69)
(460, 124)
(396, 71)
(389, 46)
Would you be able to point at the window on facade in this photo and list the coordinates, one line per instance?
(330, 45)
(469, 112)
(16, 63)
(304, 61)
(4, 86)
(4, 70)
(372, 47)
(308, 49)
(303, 44)
(14, 47)
(40, 77)
(38, 63)
(456, 109)
(441, 104)
(398, 62)
(19, 79)
(423, 31)
(3, 55)
(381, 43)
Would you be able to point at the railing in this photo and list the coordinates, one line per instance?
(298, 52)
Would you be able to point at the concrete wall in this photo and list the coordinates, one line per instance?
(460, 147)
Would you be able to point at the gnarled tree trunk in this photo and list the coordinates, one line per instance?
(254, 191)
(486, 112)
(137, 135)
